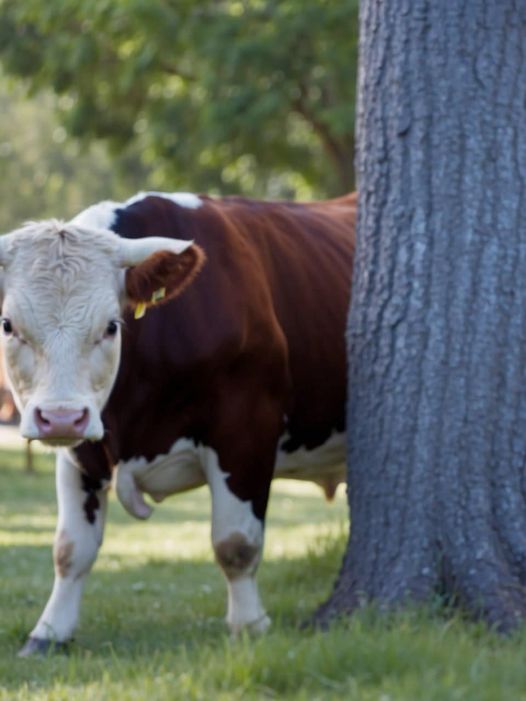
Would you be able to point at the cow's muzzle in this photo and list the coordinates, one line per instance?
(61, 424)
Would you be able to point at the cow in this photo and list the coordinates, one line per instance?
(171, 341)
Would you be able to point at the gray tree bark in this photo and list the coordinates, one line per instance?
(437, 327)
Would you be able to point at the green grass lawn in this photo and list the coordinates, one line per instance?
(152, 621)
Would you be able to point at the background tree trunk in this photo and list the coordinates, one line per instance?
(437, 327)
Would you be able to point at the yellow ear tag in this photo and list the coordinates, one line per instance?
(158, 294)
(140, 310)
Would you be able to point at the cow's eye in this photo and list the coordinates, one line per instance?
(111, 329)
(7, 327)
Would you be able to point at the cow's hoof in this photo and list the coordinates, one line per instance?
(260, 626)
(41, 646)
(257, 627)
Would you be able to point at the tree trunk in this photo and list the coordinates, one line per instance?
(437, 327)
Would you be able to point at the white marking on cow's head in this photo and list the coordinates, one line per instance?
(63, 288)
(99, 216)
(183, 199)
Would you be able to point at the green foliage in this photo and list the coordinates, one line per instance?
(228, 95)
(46, 174)
(151, 627)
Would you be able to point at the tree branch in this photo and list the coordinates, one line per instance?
(338, 155)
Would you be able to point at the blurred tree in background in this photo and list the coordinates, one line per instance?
(253, 96)
(46, 174)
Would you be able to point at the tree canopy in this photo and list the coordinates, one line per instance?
(46, 174)
(228, 95)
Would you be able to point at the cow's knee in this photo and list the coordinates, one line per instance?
(236, 556)
(63, 550)
(73, 557)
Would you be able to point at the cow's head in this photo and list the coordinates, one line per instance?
(63, 288)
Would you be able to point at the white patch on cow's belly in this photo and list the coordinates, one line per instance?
(327, 459)
(183, 199)
(170, 473)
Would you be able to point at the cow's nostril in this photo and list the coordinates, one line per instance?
(41, 419)
(82, 420)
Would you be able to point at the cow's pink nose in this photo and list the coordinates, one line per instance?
(61, 423)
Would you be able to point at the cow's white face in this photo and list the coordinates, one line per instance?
(63, 290)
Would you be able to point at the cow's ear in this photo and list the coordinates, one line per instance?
(162, 276)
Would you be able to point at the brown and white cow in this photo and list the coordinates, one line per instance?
(239, 378)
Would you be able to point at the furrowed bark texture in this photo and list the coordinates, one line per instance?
(437, 327)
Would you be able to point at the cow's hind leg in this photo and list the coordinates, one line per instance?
(81, 516)
(237, 539)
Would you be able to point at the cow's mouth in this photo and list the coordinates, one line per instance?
(59, 442)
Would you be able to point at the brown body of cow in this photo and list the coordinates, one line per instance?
(247, 364)
(253, 349)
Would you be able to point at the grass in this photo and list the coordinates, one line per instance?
(152, 622)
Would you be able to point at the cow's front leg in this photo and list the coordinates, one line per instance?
(237, 539)
(81, 516)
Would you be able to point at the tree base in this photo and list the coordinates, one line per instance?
(483, 592)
